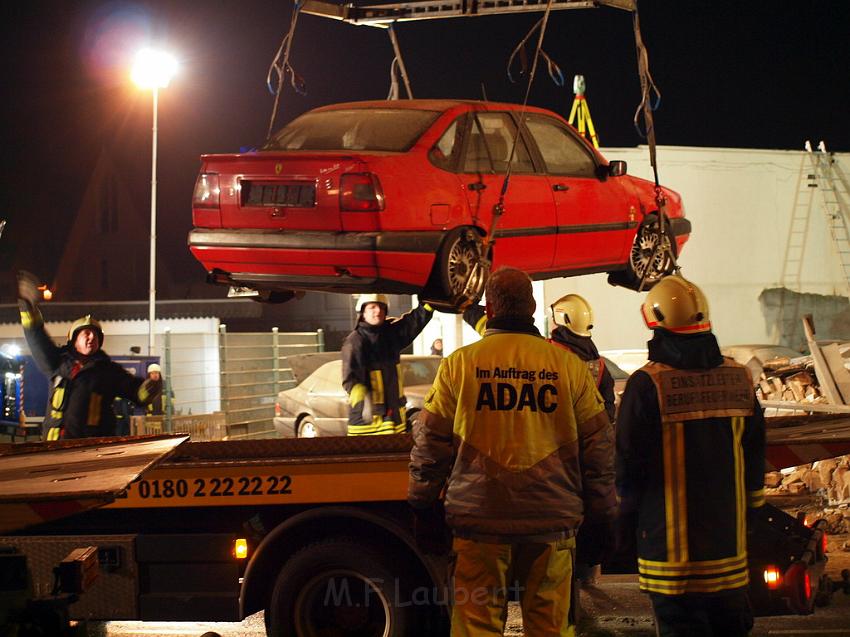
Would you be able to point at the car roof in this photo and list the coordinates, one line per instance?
(427, 105)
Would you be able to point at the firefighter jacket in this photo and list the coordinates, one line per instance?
(690, 461)
(582, 346)
(518, 431)
(585, 349)
(371, 373)
(82, 389)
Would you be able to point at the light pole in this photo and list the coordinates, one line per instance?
(153, 70)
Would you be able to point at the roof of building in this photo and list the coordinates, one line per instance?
(139, 310)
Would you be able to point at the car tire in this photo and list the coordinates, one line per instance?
(457, 257)
(341, 587)
(306, 428)
(642, 257)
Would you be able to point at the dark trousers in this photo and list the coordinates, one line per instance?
(723, 615)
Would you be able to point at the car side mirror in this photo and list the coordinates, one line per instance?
(617, 168)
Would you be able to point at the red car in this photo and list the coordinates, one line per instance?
(395, 196)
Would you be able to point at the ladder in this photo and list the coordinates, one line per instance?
(820, 174)
(580, 112)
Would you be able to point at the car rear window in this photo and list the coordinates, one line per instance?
(385, 129)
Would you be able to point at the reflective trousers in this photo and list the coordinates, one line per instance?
(487, 575)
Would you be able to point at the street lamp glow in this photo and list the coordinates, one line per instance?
(153, 69)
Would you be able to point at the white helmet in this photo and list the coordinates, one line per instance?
(678, 305)
(372, 298)
(154, 367)
(573, 312)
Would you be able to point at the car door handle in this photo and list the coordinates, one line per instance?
(477, 186)
(560, 187)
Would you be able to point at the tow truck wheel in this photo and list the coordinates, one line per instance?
(339, 587)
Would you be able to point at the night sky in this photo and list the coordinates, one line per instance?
(751, 74)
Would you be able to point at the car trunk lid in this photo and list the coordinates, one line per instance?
(285, 191)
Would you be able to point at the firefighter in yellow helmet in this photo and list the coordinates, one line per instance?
(84, 380)
(690, 464)
(371, 365)
(517, 433)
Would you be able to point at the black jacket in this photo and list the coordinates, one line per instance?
(585, 349)
(690, 460)
(370, 358)
(82, 389)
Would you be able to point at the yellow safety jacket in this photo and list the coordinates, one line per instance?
(517, 429)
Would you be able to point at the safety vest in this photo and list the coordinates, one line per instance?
(595, 365)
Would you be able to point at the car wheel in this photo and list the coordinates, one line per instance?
(645, 262)
(340, 587)
(457, 262)
(307, 428)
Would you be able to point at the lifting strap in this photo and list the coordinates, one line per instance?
(647, 105)
(397, 65)
(477, 278)
(280, 67)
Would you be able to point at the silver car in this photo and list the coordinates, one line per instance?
(318, 405)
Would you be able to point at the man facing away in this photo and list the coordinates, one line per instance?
(516, 431)
(690, 463)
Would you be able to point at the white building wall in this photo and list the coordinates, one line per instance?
(739, 202)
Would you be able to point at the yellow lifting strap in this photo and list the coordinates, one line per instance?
(580, 112)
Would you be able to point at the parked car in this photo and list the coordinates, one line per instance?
(395, 196)
(318, 405)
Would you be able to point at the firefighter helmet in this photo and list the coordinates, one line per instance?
(154, 367)
(573, 312)
(364, 299)
(677, 305)
(82, 323)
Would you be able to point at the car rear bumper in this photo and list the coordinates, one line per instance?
(339, 262)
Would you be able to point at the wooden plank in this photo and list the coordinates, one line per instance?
(825, 379)
(835, 362)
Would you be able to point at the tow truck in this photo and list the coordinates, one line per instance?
(315, 532)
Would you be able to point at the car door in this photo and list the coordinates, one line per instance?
(594, 216)
(525, 234)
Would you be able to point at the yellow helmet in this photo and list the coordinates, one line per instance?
(372, 298)
(573, 312)
(82, 323)
(677, 305)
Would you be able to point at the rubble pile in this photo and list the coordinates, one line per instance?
(828, 479)
(780, 379)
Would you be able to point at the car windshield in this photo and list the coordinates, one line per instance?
(421, 371)
(386, 129)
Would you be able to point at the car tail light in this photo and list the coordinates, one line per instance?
(207, 191)
(772, 577)
(360, 192)
(798, 586)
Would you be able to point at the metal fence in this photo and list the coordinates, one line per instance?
(232, 377)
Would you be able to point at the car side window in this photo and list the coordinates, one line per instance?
(561, 151)
(491, 136)
(445, 152)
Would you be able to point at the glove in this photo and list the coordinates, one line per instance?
(28, 291)
(430, 530)
(595, 542)
(150, 390)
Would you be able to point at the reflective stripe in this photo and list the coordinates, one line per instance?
(94, 410)
(755, 499)
(703, 585)
(58, 398)
(704, 567)
(481, 325)
(399, 374)
(675, 491)
(357, 395)
(740, 496)
(377, 380)
(53, 433)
